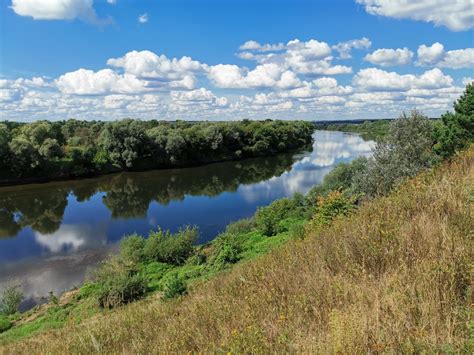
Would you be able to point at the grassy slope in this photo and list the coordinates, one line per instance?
(394, 276)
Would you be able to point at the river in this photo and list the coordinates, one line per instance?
(52, 234)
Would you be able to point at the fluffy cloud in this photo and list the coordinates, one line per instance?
(294, 81)
(268, 75)
(430, 55)
(307, 58)
(55, 9)
(146, 64)
(88, 82)
(198, 96)
(345, 48)
(435, 55)
(390, 57)
(255, 46)
(457, 15)
(373, 79)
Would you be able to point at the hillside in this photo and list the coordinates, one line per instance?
(393, 276)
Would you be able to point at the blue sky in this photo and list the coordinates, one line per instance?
(107, 59)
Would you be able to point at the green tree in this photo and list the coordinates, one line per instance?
(406, 150)
(5, 138)
(456, 130)
(125, 141)
(24, 154)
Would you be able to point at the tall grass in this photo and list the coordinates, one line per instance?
(394, 276)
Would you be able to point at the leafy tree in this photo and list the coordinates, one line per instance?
(175, 147)
(24, 154)
(406, 150)
(125, 141)
(5, 137)
(456, 130)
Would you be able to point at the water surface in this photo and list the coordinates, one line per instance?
(51, 234)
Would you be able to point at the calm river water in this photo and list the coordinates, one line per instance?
(52, 234)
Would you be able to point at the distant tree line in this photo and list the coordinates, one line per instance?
(47, 149)
(374, 130)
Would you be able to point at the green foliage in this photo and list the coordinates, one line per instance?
(174, 287)
(226, 251)
(118, 284)
(334, 204)
(132, 249)
(124, 140)
(374, 130)
(405, 151)
(10, 298)
(5, 324)
(170, 248)
(74, 148)
(456, 129)
(244, 225)
(268, 218)
(340, 178)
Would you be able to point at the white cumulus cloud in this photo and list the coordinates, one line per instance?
(345, 48)
(373, 79)
(88, 82)
(390, 57)
(56, 9)
(457, 15)
(435, 55)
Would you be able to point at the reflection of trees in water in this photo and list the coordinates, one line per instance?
(129, 195)
(43, 211)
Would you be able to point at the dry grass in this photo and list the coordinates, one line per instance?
(394, 277)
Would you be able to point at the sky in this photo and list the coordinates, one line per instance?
(232, 59)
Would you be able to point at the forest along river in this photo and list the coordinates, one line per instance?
(52, 234)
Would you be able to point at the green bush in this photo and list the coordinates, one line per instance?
(5, 324)
(170, 248)
(118, 284)
(241, 226)
(268, 218)
(10, 298)
(340, 178)
(227, 249)
(174, 287)
(334, 204)
(132, 249)
(406, 150)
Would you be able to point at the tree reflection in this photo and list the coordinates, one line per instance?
(41, 208)
(128, 195)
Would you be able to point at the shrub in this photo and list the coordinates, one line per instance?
(118, 284)
(10, 298)
(241, 226)
(334, 204)
(174, 287)
(406, 151)
(268, 218)
(226, 251)
(5, 324)
(132, 249)
(340, 178)
(170, 248)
